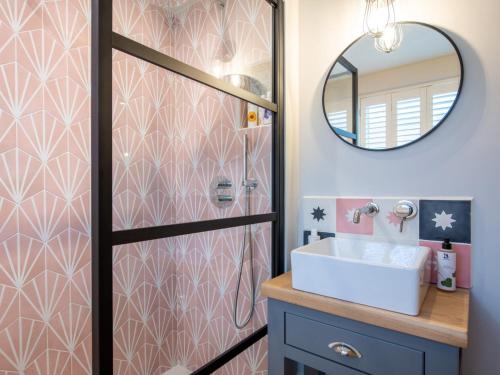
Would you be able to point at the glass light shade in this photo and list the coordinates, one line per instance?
(391, 38)
(378, 15)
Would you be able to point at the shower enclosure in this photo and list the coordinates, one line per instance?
(187, 183)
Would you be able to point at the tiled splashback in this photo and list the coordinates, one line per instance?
(437, 219)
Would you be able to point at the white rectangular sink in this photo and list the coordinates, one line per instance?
(384, 275)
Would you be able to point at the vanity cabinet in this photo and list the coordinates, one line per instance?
(337, 346)
(315, 335)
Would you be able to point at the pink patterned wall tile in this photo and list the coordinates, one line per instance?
(68, 253)
(8, 131)
(9, 299)
(66, 100)
(81, 361)
(7, 43)
(21, 260)
(8, 212)
(45, 296)
(43, 216)
(345, 212)
(79, 215)
(79, 137)
(81, 288)
(44, 136)
(44, 178)
(160, 121)
(21, 343)
(22, 91)
(66, 176)
(72, 325)
(42, 55)
(25, 184)
(51, 361)
(464, 253)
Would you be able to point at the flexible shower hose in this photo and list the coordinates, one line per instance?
(247, 230)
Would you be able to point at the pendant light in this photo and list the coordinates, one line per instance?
(378, 15)
(391, 38)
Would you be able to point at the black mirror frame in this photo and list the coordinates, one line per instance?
(355, 114)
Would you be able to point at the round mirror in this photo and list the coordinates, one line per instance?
(380, 101)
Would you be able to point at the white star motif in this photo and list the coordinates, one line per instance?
(443, 220)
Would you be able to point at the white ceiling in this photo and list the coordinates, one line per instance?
(419, 43)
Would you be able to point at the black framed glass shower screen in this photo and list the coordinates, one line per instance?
(105, 43)
(178, 149)
(173, 299)
(228, 39)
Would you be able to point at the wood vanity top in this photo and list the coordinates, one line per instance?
(443, 318)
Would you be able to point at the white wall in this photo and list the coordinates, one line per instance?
(462, 158)
(292, 96)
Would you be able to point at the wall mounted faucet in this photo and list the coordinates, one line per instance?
(370, 209)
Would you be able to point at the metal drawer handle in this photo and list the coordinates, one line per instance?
(345, 350)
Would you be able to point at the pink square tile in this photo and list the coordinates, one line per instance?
(463, 262)
(345, 211)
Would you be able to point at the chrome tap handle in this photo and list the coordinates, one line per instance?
(405, 210)
(401, 225)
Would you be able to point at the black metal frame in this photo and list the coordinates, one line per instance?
(460, 86)
(104, 40)
(354, 75)
(232, 352)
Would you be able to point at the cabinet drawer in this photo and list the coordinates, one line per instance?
(378, 357)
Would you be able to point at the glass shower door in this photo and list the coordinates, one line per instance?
(189, 159)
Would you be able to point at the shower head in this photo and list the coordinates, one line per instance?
(246, 82)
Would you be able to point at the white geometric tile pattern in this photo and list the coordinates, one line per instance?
(173, 297)
(172, 137)
(44, 187)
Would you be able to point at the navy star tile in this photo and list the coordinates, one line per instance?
(440, 219)
(318, 214)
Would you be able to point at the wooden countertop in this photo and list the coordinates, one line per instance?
(444, 316)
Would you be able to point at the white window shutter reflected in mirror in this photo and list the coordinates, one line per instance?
(408, 116)
(338, 119)
(408, 119)
(403, 116)
(374, 121)
(441, 98)
(441, 104)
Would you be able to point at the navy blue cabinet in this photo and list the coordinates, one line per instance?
(331, 345)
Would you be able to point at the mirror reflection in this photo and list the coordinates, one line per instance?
(377, 100)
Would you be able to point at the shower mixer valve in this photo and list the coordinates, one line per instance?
(222, 192)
